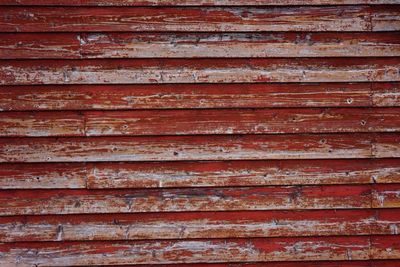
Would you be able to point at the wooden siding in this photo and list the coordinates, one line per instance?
(215, 133)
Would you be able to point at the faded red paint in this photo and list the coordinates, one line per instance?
(200, 133)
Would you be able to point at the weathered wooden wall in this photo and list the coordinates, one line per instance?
(200, 133)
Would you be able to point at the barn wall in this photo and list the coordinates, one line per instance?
(200, 133)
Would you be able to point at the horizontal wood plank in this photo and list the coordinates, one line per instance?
(197, 174)
(385, 248)
(54, 175)
(236, 173)
(198, 225)
(42, 124)
(218, 147)
(386, 196)
(386, 94)
(199, 122)
(159, 252)
(145, 71)
(197, 45)
(240, 121)
(193, 2)
(26, 202)
(195, 96)
(228, 19)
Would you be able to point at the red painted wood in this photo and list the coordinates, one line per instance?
(25, 202)
(193, 2)
(145, 71)
(198, 174)
(195, 45)
(223, 147)
(197, 225)
(195, 96)
(151, 252)
(199, 133)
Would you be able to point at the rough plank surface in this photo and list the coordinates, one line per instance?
(195, 45)
(151, 252)
(198, 174)
(189, 19)
(196, 96)
(198, 225)
(199, 122)
(213, 133)
(141, 71)
(223, 147)
(194, 2)
(25, 202)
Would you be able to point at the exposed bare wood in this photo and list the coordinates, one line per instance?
(194, 2)
(386, 94)
(385, 248)
(194, 45)
(156, 252)
(179, 96)
(144, 71)
(194, 148)
(189, 19)
(31, 176)
(42, 124)
(199, 122)
(386, 196)
(241, 121)
(196, 225)
(25, 202)
(197, 174)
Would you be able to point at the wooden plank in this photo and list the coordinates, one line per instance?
(31, 176)
(193, 2)
(385, 248)
(199, 122)
(387, 221)
(177, 148)
(33, 45)
(42, 124)
(144, 71)
(386, 196)
(26, 202)
(240, 121)
(386, 19)
(180, 96)
(194, 45)
(189, 19)
(386, 146)
(386, 94)
(242, 173)
(197, 174)
(191, 225)
(198, 251)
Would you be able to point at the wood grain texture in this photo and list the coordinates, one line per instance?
(196, 96)
(241, 121)
(31, 176)
(167, 148)
(386, 94)
(386, 196)
(42, 124)
(385, 248)
(151, 252)
(189, 19)
(199, 122)
(193, 2)
(198, 225)
(25, 202)
(197, 45)
(197, 174)
(145, 71)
